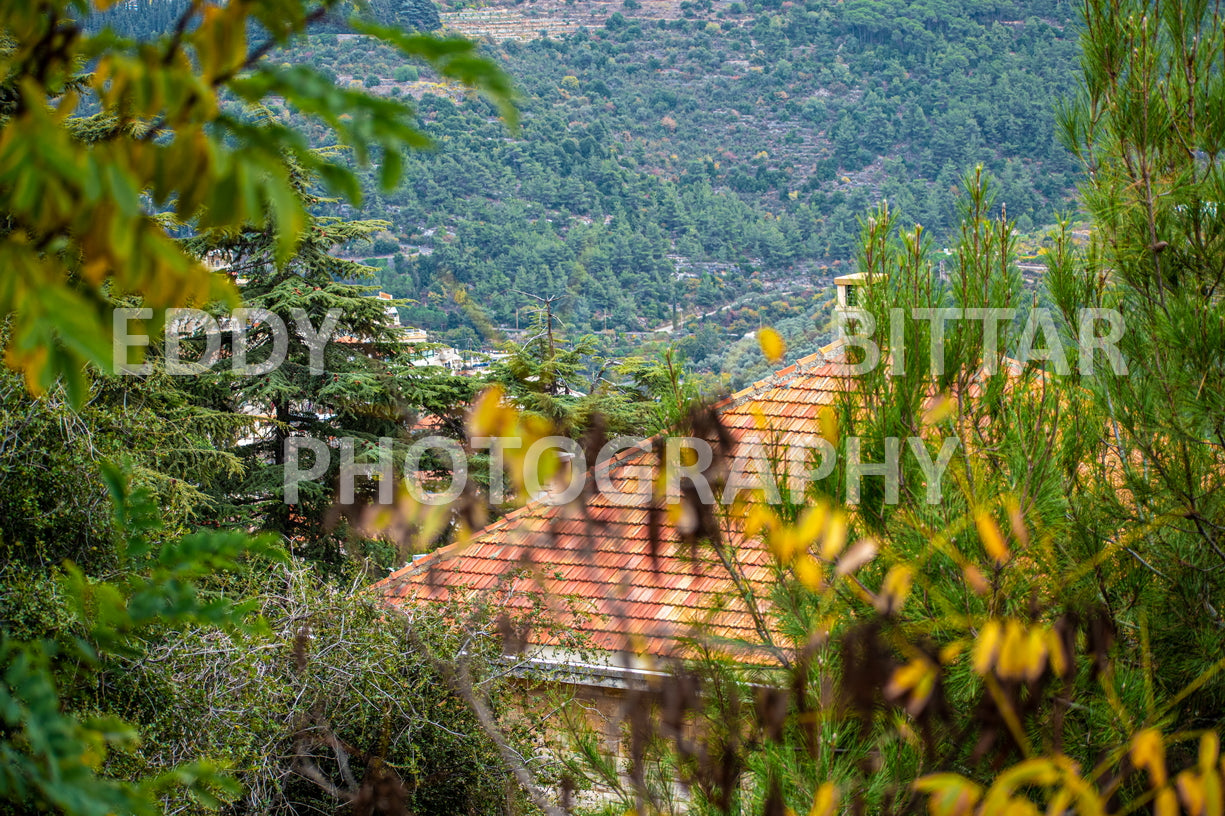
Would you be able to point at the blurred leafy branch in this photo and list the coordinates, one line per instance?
(109, 145)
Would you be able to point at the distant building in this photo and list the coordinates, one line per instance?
(408, 334)
(467, 363)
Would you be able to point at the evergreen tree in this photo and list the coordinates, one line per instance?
(111, 483)
(345, 378)
(1148, 130)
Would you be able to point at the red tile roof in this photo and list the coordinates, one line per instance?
(596, 559)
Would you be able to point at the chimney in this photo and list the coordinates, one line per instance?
(851, 289)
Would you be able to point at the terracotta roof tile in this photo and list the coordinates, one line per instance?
(546, 549)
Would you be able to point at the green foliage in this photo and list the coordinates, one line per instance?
(1147, 128)
(740, 156)
(54, 504)
(332, 699)
(156, 118)
(101, 175)
(573, 388)
(147, 19)
(406, 73)
(52, 756)
(362, 385)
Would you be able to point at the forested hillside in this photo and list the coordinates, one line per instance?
(154, 18)
(749, 136)
(700, 164)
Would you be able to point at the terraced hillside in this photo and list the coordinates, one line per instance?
(744, 141)
(596, 12)
(499, 24)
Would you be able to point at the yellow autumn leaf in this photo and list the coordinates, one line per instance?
(1035, 653)
(987, 647)
(783, 544)
(808, 571)
(1167, 803)
(1054, 646)
(1209, 748)
(894, 590)
(835, 536)
(916, 679)
(1191, 792)
(1060, 802)
(760, 518)
(1214, 803)
(940, 409)
(950, 652)
(825, 802)
(1041, 771)
(1014, 656)
(828, 419)
(772, 344)
(1018, 807)
(992, 538)
(760, 421)
(810, 525)
(1208, 778)
(1148, 754)
(490, 417)
(949, 794)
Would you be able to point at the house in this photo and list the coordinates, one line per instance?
(595, 569)
(595, 562)
(622, 574)
(615, 568)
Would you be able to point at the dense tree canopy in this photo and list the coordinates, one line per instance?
(653, 147)
(139, 514)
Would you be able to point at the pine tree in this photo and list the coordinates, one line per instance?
(1149, 132)
(362, 387)
(545, 374)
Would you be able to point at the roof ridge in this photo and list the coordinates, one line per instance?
(775, 379)
(780, 377)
